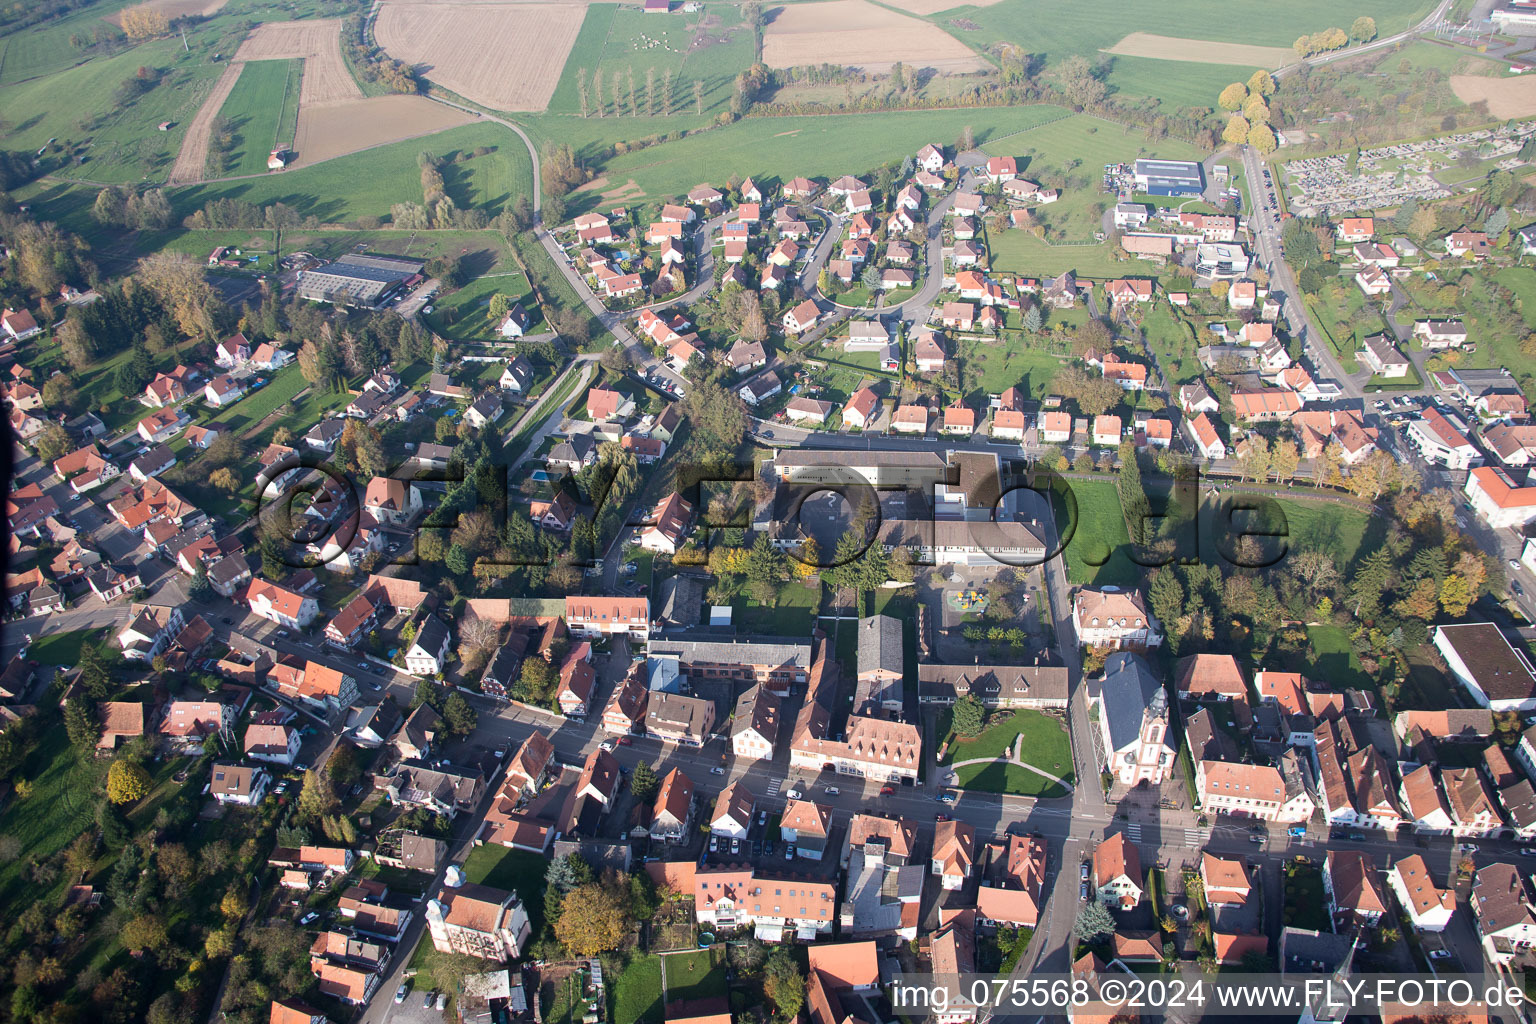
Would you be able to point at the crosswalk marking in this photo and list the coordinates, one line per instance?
(1133, 832)
(773, 786)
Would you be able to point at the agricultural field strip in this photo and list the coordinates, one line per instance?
(860, 34)
(507, 57)
(1202, 51)
(1506, 97)
(193, 158)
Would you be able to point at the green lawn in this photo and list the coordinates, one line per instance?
(1038, 27)
(1176, 83)
(464, 315)
(990, 368)
(65, 790)
(782, 147)
(369, 183)
(279, 390)
(60, 648)
(1096, 541)
(1172, 339)
(1016, 251)
(636, 994)
(1046, 745)
(516, 870)
(262, 112)
(625, 40)
(1334, 660)
(1335, 529)
(695, 975)
(793, 615)
(109, 141)
(997, 777)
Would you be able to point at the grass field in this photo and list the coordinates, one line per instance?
(1169, 336)
(464, 315)
(369, 183)
(1334, 660)
(111, 142)
(1176, 83)
(1297, 525)
(1045, 742)
(59, 648)
(1096, 552)
(262, 112)
(988, 368)
(695, 975)
(46, 49)
(65, 789)
(624, 40)
(1038, 27)
(997, 777)
(636, 994)
(1020, 252)
(779, 148)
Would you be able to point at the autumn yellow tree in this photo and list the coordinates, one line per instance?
(144, 23)
(126, 782)
(804, 564)
(1455, 595)
(1262, 83)
(593, 919)
(1236, 130)
(1262, 138)
(1232, 96)
(1256, 110)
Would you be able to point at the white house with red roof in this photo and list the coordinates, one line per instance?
(1499, 499)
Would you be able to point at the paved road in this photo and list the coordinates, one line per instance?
(1266, 229)
(556, 415)
(1376, 44)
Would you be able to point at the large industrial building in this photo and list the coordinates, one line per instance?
(359, 280)
(1169, 177)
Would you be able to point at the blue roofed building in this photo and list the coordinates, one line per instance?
(1169, 177)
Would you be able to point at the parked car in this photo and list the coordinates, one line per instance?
(714, 844)
(1439, 954)
(442, 1001)
(789, 852)
(1082, 893)
(427, 1000)
(606, 745)
(831, 791)
(1083, 871)
(400, 992)
(717, 770)
(1528, 851)
(310, 917)
(887, 790)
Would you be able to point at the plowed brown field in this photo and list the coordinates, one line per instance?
(859, 34)
(1507, 97)
(337, 129)
(506, 56)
